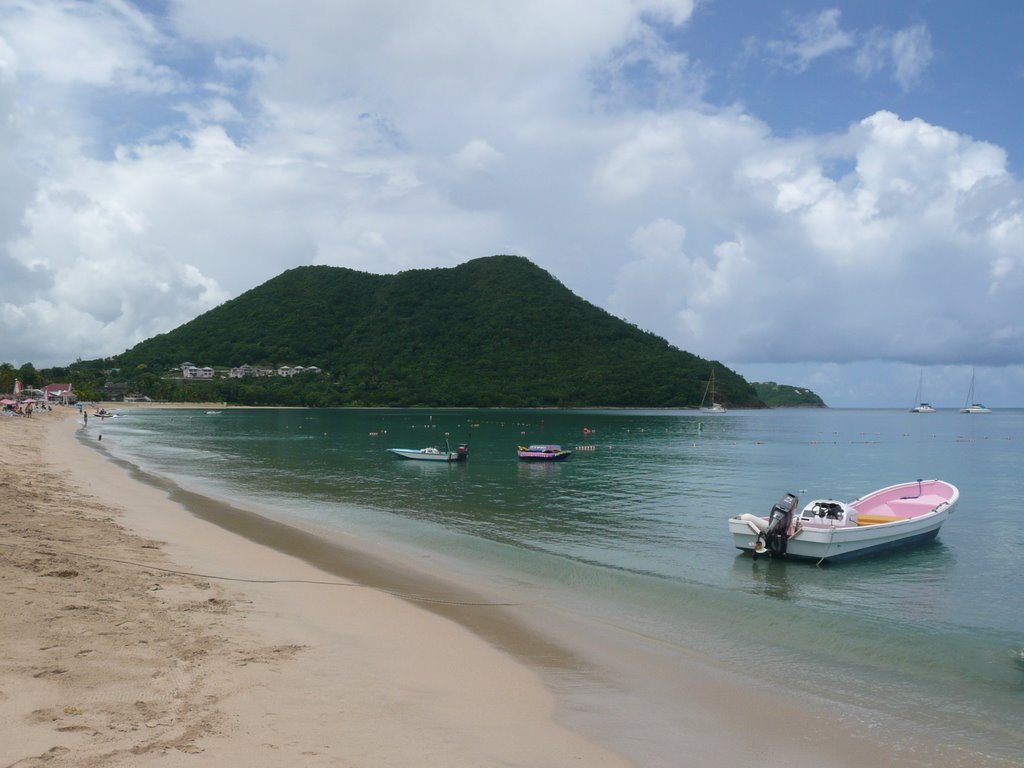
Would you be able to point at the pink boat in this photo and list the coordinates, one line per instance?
(543, 453)
(898, 516)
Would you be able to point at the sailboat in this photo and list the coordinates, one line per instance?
(969, 405)
(922, 406)
(710, 389)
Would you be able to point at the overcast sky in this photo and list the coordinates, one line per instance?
(823, 194)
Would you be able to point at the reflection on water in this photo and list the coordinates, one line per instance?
(767, 577)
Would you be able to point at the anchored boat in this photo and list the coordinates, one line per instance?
(922, 406)
(543, 453)
(970, 406)
(461, 452)
(898, 516)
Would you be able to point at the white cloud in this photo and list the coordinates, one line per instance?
(911, 53)
(478, 156)
(94, 44)
(807, 267)
(814, 36)
(646, 72)
(906, 52)
(676, 12)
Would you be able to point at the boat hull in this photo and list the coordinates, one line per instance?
(416, 454)
(819, 542)
(560, 456)
(542, 453)
(839, 544)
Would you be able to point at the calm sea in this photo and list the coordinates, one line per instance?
(632, 530)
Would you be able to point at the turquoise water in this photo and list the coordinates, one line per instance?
(632, 530)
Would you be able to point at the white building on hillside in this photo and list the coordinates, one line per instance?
(194, 372)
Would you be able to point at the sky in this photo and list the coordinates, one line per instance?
(824, 194)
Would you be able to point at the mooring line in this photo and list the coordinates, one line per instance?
(394, 593)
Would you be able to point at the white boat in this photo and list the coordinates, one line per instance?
(922, 406)
(461, 453)
(975, 408)
(898, 516)
(712, 406)
(970, 406)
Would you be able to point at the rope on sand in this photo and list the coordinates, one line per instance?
(394, 593)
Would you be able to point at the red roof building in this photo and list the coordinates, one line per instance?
(59, 393)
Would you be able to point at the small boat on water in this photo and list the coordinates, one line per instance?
(709, 405)
(898, 516)
(461, 453)
(543, 453)
(922, 406)
(969, 405)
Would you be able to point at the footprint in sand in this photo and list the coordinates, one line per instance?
(50, 672)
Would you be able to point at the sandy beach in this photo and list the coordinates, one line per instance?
(146, 627)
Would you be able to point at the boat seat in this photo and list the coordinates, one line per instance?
(912, 507)
(876, 519)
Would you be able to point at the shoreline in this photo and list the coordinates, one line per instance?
(542, 679)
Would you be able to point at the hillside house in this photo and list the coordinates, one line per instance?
(195, 372)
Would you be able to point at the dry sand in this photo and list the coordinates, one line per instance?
(142, 625)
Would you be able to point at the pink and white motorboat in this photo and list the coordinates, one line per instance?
(542, 453)
(898, 516)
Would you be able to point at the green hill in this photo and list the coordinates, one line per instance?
(786, 396)
(496, 331)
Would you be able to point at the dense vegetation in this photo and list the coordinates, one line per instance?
(495, 331)
(786, 396)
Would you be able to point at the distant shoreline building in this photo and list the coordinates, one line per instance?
(59, 393)
(192, 371)
(249, 370)
(189, 371)
(293, 370)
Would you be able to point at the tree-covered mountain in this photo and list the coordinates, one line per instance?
(496, 331)
(787, 396)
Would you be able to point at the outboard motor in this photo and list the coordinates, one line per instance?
(462, 452)
(773, 539)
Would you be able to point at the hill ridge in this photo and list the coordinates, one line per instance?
(493, 331)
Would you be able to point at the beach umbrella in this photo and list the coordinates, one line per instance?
(6, 401)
